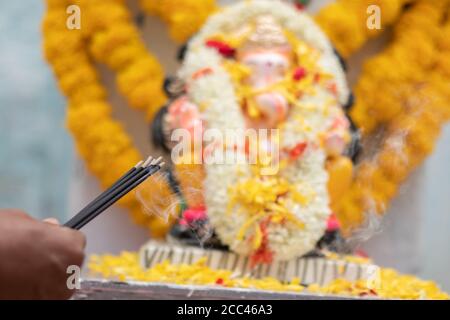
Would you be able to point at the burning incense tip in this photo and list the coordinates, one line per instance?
(157, 161)
(139, 164)
(147, 162)
(129, 181)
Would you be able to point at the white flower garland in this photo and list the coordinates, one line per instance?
(215, 91)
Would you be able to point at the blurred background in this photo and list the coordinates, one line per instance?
(41, 174)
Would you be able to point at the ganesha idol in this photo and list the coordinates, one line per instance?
(261, 65)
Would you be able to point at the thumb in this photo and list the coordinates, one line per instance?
(51, 221)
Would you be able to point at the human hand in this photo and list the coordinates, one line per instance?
(35, 255)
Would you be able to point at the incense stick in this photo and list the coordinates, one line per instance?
(105, 205)
(125, 177)
(130, 180)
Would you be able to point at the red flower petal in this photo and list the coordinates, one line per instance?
(221, 47)
(299, 74)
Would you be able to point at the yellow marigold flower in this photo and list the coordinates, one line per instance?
(392, 163)
(85, 115)
(92, 92)
(53, 44)
(118, 35)
(56, 4)
(140, 71)
(68, 63)
(158, 228)
(184, 18)
(139, 97)
(122, 56)
(82, 76)
(343, 28)
(350, 213)
(95, 18)
(54, 19)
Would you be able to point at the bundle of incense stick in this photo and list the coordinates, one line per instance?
(130, 180)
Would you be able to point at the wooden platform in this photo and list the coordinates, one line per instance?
(93, 289)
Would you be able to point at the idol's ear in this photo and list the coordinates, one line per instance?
(354, 149)
(173, 87)
(182, 51)
(158, 130)
(341, 59)
(350, 102)
(140, 19)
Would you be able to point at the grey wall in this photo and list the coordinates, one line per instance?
(35, 149)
